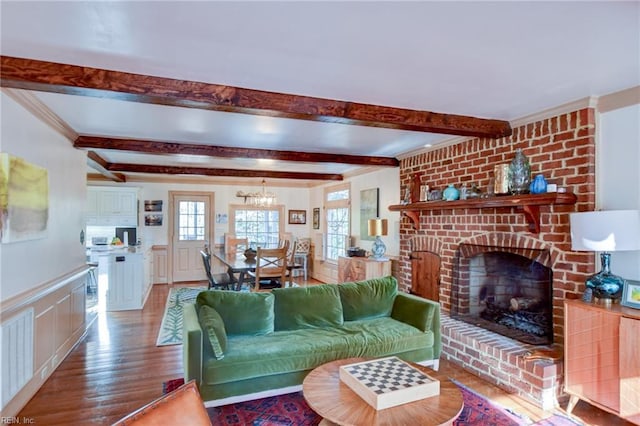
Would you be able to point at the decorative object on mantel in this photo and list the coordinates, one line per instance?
(424, 192)
(378, 228)
(415, 188)
(501, 179)
(259, 198)
(538, 185)
(435, 195)
(464, 191)
(406, 198)
(519, 173)
(451, 193)
(474, 191)
(605, 231)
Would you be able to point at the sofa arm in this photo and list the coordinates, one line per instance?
(191, 344)
(420, 313)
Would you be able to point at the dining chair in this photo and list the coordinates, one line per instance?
(271, 268)
(303, 249)
(291, 263)
(224, 281)
(181, 406)
(235, 245)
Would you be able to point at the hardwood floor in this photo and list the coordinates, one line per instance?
(118, 368)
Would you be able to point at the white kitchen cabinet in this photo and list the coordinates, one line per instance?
(110, 206)
(127, 287)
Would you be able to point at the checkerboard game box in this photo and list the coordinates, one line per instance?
(387, 382)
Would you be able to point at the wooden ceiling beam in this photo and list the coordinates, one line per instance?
(95, 161)
(85, 81)
(156, 147)
(204, 171)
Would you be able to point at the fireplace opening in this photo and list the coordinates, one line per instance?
(505, 290)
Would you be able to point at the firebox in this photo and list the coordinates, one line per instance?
(505, 290)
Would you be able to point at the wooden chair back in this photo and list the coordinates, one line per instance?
(271, 266)
(303, 245)
(235, 245)
(206, 261)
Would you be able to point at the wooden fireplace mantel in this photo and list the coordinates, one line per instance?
(528, 204)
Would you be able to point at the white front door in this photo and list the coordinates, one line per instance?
(191, 229)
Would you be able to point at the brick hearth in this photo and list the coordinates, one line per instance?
(562, 148)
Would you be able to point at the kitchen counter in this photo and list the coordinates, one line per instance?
(127, 287)
(112, 248)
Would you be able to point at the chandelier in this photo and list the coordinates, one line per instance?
(258, 199)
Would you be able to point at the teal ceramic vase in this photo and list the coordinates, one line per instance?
(451, 193)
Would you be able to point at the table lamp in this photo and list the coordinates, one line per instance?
(378, 228)
(605, 231)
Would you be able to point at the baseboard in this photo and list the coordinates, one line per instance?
(252, 396)
(434, 364)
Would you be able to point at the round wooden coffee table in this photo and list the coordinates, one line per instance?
(336, 402)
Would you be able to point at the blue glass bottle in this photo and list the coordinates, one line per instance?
(538, 185)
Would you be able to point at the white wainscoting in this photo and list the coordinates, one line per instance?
(39, 328)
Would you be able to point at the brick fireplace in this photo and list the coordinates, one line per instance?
(562, 148)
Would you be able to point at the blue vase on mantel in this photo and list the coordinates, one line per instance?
(538, 185)
(451, 193)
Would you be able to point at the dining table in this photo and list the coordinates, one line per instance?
(237, 263)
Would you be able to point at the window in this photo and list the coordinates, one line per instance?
(261, 225)
(337, 223)
(191, 215)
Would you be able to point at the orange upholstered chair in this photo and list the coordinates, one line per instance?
(183, 406)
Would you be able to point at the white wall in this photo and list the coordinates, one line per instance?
(618, 174)
(28, 264)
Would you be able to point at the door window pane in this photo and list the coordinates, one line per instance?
(337, 232)
(191, 221)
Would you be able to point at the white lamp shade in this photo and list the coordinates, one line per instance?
(611, 230)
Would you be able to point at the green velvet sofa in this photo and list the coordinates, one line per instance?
(240, 346)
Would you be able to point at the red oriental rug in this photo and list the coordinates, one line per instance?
(292, 410)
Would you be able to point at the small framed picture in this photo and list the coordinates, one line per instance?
(152, 205)
(631, 294)
(297, 217)
(316, 218)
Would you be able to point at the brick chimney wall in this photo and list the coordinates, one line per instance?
(562, 148)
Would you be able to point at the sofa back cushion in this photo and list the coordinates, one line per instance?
(368, 299)
(243, 313)
(307, 307)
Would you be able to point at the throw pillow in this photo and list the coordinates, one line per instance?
(243, 313)
(307, 307)
(368, 299)
(213, 326)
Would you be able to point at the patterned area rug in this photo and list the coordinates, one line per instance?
(292, 410)
(171, 327)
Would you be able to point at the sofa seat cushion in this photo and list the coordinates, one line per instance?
(304, 349)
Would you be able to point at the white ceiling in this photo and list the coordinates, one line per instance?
(499, 60)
